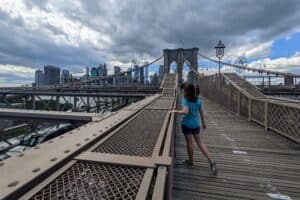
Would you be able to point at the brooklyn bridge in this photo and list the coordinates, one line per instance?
(135, 149)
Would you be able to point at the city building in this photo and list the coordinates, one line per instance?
(141, 75)
(147, 75)
(94, 72)
(87, 71)
(135, 73)
(154, 79)
(102, 70)
(65, 76)
(129, 76)
(39, 78)
(52, 75)
(117, 70)
(161, 70)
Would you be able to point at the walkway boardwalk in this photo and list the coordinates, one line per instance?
(251, 161)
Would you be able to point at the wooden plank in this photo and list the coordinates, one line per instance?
(271, 163)
(159, 187)
(117, 159)
(145, 185)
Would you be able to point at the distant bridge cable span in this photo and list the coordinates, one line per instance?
(249, 68)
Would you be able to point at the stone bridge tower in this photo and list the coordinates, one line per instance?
(180, 56)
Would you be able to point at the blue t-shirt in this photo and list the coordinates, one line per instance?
(191, 120)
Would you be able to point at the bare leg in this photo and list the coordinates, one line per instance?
(202, 147)
(189, 146)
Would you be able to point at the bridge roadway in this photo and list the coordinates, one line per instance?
(251, 162)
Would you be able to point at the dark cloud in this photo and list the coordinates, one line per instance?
(142, 29)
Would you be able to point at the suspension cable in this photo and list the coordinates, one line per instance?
(249, 68)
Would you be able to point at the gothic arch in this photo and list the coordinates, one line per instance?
(180, 55)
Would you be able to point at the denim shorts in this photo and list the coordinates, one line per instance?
(187, 130)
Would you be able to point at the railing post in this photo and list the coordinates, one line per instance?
(266, 115)
(249, 109)
(33, 102)
(220, 89)
(239, 103)
(231, 97)
(57, 103)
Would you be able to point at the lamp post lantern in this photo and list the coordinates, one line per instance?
(220, 52)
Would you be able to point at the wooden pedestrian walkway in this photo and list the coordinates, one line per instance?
(252, 163)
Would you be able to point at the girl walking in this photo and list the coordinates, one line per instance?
(190, 124)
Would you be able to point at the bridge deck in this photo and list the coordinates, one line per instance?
(251, 161)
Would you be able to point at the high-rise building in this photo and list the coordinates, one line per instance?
(147, 75)
(52, 75)
(65, 76)
(117, 70)
(94, 72)
(136, 73)
(129, 76)
(141, 75)
(102, 70)
(39, 78)
(154, 79)
(161, 70)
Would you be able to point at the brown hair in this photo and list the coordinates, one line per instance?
(182, 86)
(190, 92)
(197, 90)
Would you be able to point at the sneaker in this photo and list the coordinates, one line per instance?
(213, 168)
(188, 162)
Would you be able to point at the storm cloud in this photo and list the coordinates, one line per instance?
(78, 33)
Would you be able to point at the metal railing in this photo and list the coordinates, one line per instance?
(280, 116)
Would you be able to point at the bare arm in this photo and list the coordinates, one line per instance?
(202, 118)
(184, 111)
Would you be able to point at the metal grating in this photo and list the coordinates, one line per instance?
(90, 180)
(162, 103)
(168, 84)
(168, 92)
(138, 138)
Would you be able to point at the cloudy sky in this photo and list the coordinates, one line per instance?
(74, 34)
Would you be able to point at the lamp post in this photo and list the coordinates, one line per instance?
(220, 53)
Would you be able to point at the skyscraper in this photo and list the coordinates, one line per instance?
(94, 72)
(87, 71)
(102, 70)
(147, 75)
(117, 70)
(161, 70)
(65, 76)
(141, 75)
(135, 73)
(39, 78)
(129, 76)
(52, 75)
